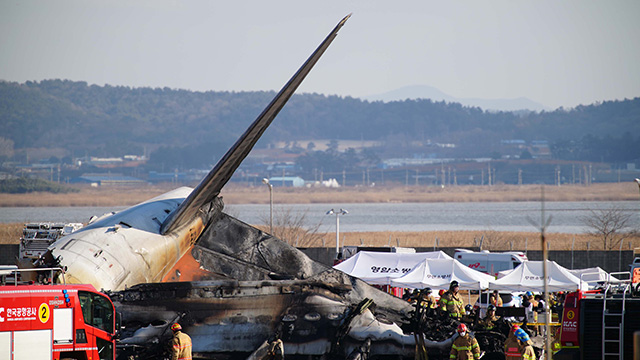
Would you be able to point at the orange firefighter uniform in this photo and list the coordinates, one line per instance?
(465, 347)
(495, 300)
(489, 322)
(524, 343)
(180, 344)
(453, 304)
(511, 347)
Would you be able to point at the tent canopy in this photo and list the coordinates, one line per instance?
(593, 275)
(439, 273)
(379, 268)
(528, 277)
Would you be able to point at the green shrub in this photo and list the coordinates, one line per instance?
(25, 185)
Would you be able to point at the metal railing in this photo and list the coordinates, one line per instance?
(7, 271)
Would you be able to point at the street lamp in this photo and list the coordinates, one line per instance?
(266, 182)
(337, 213)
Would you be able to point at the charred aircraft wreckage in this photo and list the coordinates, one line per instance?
(234, 288)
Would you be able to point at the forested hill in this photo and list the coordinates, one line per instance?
(119, 120)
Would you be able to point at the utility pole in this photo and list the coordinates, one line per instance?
(519, 176)
(544, 223)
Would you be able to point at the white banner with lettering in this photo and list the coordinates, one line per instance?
(380, 268)
(439, 273)
(528, 277)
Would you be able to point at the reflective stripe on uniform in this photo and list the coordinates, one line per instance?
(460, 348)
(512, 351)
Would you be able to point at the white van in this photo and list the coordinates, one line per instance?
(488, 262)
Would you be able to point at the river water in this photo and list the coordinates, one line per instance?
(512, 216)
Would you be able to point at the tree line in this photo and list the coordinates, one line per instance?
(192, 129)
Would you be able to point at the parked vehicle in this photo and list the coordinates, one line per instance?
(488, 262)
(52, 322)
(599, 324)
(508, 300)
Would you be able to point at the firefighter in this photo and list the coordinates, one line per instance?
(440, 299)
(408, 295)
(469, 316)
(452, 302)
(180, 344)
(495, 299)
(524, 343)
(464, 346)
(511, 346)
(488, 323)
(429, 300)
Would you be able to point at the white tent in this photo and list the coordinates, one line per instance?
(593, 275)
(438, 273)
(503, 273)
(379, 268)
(528, 277)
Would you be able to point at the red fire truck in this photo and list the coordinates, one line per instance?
(599, 324)
(54, 322)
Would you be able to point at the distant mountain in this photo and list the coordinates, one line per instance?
(429, 92)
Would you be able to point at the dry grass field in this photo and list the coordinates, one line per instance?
(234, 194)
(492, 240)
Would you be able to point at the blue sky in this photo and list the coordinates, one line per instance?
(558, 53)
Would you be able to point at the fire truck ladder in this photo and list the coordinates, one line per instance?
(613, 321)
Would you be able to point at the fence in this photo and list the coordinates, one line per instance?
(609, 261)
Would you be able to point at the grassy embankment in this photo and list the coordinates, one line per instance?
(493, 240)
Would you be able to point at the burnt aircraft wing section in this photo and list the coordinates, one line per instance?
(211, 185)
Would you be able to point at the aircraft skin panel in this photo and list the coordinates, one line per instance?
(141, 216)
(211, 185)
(112, 259)
(127, 248)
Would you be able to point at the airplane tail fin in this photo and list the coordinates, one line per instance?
(211, 185)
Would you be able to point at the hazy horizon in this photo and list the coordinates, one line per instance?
(554, 53)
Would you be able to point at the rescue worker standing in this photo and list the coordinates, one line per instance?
(440, 299)
(524, 343)
(180, 344)
(495, 299)
(464, 346)
(429, 300)
(511, 346)
(452, 302)
(488, 323)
